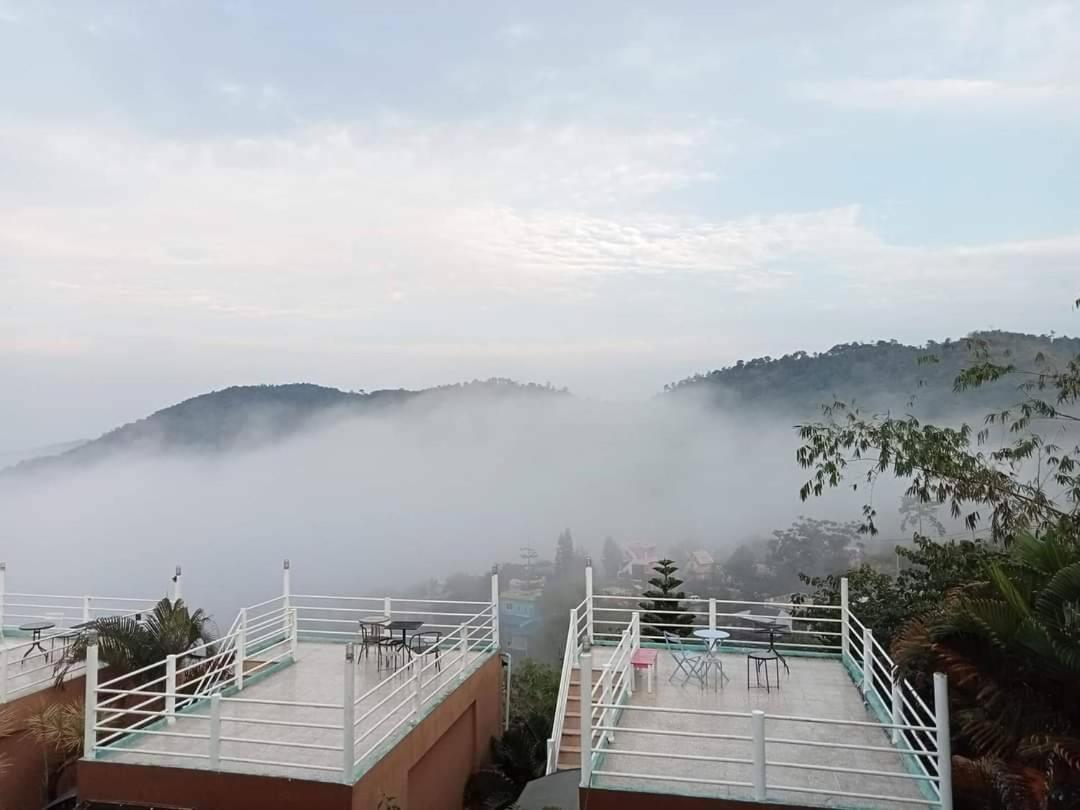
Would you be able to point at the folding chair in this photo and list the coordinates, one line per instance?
(687, 660)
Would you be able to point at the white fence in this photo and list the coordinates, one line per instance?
(204, 688)
(911, 730)
(29, 664)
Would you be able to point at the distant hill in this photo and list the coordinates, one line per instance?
(885, 375)
(252, 415)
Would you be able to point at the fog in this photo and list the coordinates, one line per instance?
(366, 504)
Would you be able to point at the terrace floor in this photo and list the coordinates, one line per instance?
(816, 687)
(315, 677)
(32, 672)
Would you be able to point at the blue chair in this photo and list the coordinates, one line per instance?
(688, 660)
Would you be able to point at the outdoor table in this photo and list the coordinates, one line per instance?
(404, 625)
(774, 629)
(36, 628)
(713, 639)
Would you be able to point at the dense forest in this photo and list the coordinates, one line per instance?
(880, 376)
(885, 375)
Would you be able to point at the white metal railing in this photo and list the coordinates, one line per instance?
(745, 620)
(205, 685)
(576, 636)
(402, 696)
(914, 729)
(29, 664)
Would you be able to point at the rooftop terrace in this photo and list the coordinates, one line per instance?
(837, 731)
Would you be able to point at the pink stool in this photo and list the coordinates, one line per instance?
(646, 660)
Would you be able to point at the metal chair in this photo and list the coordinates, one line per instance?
(762, 659)
(426, 643)
(687, 660)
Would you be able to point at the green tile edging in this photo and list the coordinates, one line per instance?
(124, 743)
(878, 708)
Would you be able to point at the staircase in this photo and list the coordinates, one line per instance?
(570, 742)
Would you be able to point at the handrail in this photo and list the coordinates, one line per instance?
(569, 657)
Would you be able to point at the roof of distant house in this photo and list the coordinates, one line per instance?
(642, 553)
(701, 557)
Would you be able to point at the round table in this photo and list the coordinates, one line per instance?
(713, 639)
(36, 628)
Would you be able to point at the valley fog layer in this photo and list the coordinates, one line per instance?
(374, 503)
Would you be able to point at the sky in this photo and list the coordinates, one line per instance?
(606, 196)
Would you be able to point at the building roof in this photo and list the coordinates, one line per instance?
(702, 557)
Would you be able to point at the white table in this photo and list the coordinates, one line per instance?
(713, 640)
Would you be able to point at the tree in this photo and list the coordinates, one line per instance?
(534, 690)
(1030, 482)
(612, 559)
(1010, 646)
(564, 555)
(126, 645)
(920, 516)
(58, 728)
(811, 547)
(664, 611)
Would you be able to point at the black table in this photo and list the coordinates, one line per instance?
(774, 629)
(404, 625)
(36, 628)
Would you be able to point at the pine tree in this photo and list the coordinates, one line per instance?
(564, 554)
(663, 613)
(612, 558)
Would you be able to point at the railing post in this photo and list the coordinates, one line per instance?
(867, 661)
(897, 700)
(589, 599)
(845, 622)
(712, 613)
(944, 739)
(348, 703)
(635, 621)
(178, 585)
(286, 584)
(170, 689)
(386, 607)
(417, 695)
(607, 682)
(757, 733)
(574, 631)
(495, 605)
(240, 652)
(3, 594)
(85, 609)
(294, 631)
(585, 671)
(90, 695)
(628, 665)
(464, 649)
(215, 731)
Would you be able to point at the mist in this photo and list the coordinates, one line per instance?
(375, 503)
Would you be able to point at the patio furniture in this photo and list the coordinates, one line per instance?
(35, 629)
(774, 628)
(426, 643)
(392, 647)
(372, 633)
(713, 639)
(687, 660)
(645, 659)
(761, 660)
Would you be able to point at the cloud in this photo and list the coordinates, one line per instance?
(940, 95)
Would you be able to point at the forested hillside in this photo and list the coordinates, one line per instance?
(885, 375)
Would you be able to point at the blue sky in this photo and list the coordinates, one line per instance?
(609, 197)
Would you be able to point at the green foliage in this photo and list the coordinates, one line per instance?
(887, 603)
(1030, 482)
(664, 612)
(565, 558)
(809, 547)
(517, 757)
(534, 690)
(1010, 645)
(126, 645)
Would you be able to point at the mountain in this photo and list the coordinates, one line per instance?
(880, 376)
(252, 415)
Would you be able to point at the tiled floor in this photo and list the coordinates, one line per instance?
(29, 673)
(316, 677)
(816, 687)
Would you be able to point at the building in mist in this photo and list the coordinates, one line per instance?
(520, 619)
